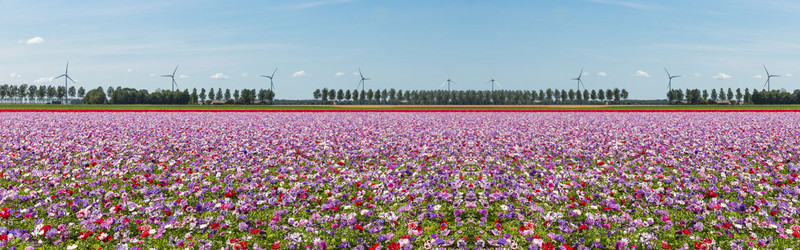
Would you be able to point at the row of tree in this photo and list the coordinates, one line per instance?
(470, 97)
(133, 96)
(696, 96)
(25, 93)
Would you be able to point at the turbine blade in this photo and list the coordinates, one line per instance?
(443, 83)
(176, 70)
(498, 84)
(62, 75)
(676, 76)
(273, 73)
(67, 70)
(265, 76)
(359, 73)
(665, 69)
(775, 75)
(581, 74)
(166, 75)
(367, 79)
(70, 78)
(765, 69)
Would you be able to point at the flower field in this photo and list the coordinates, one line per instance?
(173, 180)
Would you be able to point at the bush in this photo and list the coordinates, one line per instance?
(95, 96)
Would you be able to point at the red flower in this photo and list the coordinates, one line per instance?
(665, 246)
(796, 234)
(145, 234)
(276, 245)
(255, 231)
(685, 231)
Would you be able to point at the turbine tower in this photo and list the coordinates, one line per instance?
(580, 82)
(66, 77)
(363, 80)
(173, 77)
(768, 77)
(669, 85)
(270, 79)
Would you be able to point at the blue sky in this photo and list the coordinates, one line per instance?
(402, 44)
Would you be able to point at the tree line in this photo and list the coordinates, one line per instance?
(25, 93)
(470, 97)
(696, 96)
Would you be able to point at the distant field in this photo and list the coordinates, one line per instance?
(402, 107)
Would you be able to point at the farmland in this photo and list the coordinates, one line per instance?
(399, 180)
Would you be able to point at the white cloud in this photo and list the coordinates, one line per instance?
(244, 74)
(20, 41)
(339, 73)
(641, 74)
(757, 76)
(153, 74)
(185, 76)
(44, 80)
(698, 75)
(219, 76)
(722, 76)
(15, 75)
(788, 74)
(585, 73)
(130, 70)
(299, 73)
(602, 74)
(356, 73)
(35, 40)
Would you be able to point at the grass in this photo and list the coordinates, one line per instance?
(403, 107)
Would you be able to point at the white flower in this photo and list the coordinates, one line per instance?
(72, 247)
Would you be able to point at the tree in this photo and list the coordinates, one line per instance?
(211, 94)
(370, 93)
(95, 96)
(721, 94)
(31, 92)
(730, 94)
(747, 96)
(738, 94)
(81, 92)
(340, 95)
(331, 94)
(317, 94)
(713, 94)
(563, 95)
(594, 95)
(601, 95)
(109, 92)
(22, 91)
(585, 94)
(347, 95)
(202, 94)
(363, 95)
(51, 92)
(377, 95)
(392, 94)
(194, 96)
(324, 94)
(61, 91)
(625, 94)
(705, 94)
(571, 94)
(227, 94)
(384, 95)
(400, 95)
(71, 91)
(236, 94)
(41, 92)
(219, 94)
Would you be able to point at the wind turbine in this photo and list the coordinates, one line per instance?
(448, 81)
(270, 78)
(768, 77)
(580, 82)
(173, 77)
(670, 79)
(493, 82)
(363, 80)
(66, 77)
